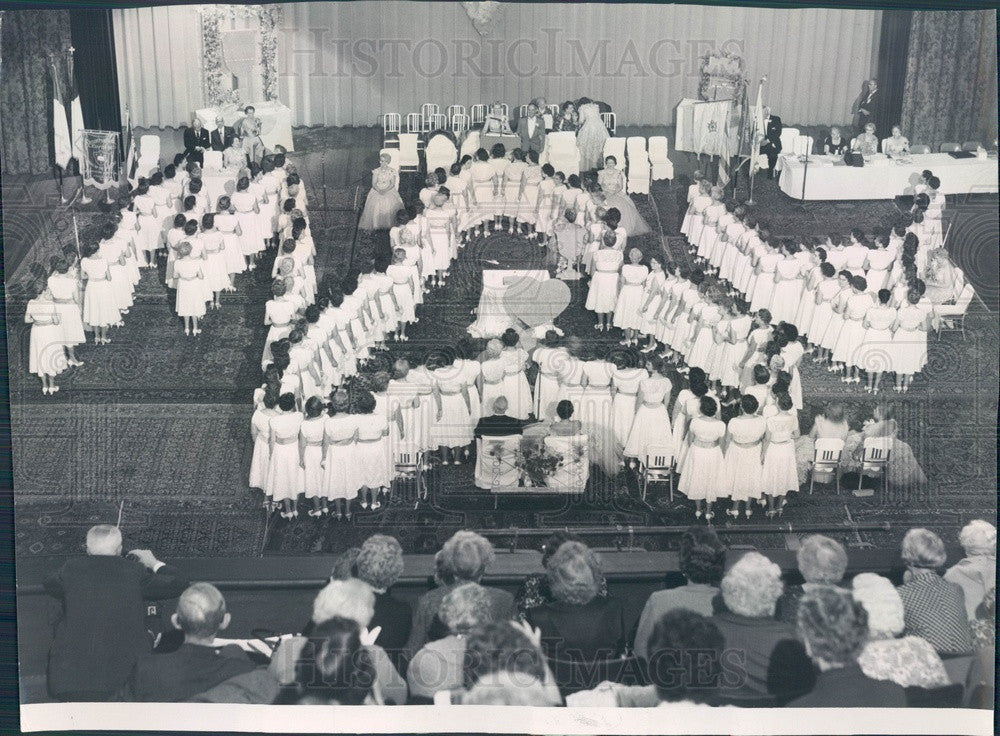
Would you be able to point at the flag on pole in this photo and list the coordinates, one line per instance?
(758, 131)
(76, 115)
(131, 160)
(60, 128)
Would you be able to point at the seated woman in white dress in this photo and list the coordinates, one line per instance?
(830, 424)
(941, 278)
(905, 472)
(866, 143)
(896, 144)
(496, 123)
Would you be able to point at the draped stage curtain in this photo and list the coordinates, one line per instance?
(346, 63)
(26, 87)
(95, 68)
(951, 77)
(893, 51)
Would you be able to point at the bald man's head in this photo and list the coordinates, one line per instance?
(104, 539)
(201, 612)
(500, 405)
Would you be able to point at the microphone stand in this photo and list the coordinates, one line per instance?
(805, 173)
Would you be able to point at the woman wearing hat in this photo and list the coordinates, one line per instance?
(190, 277)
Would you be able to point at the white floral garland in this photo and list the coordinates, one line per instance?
(269, 16)
(484, 15)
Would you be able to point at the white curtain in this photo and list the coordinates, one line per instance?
(346, 63)
(158, 51)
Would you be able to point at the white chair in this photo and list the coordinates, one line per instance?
(661, 166)
(826, 462)
(953, 315)
(788, 136)
(522, 111)
(414, 122)
(561, 152)
(639, 169)
(213, 161)
(610, 121)
(553, 110)
(471, 143)
(496, 462)
(658, 466)
(478, 114)
(803, 145)
(616, 147)
(950, 147)
(409, 155)
(505, 109)
(436, 121)
(426, 111)
(392, 126)
(874, 462)
(440, 152)
(574, 471)
(409, 465)
(452, 110)
(149, 156)
(393, 154)
(459, 123)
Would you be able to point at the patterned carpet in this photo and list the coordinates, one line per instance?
(159, 421)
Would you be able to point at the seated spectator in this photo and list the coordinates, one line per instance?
(822, 561)
(101, 632)
(976, 573)
(535, 589)
(345, 566)
(767, 651)
(984, 630)
(686, 659)
(702, 560)
(505, 646)
(578, 625)
(333, 669)
(380, 563)
(507, 688)
(198, 664)
(463, 559)
(934, 609)
(908, 661)
(834, 628)
(565, 426)
(498, 424)
(438, 665)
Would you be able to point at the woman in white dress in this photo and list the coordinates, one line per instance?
(786, 290)
(284, 471)
(513, 189)
(703, 475)
(100, 308)
(695, 212)
(216, 272)
(764, 259)
(499, 161)
(612, 182)
(46, 358)
(733, 346)
(515, 382)
(371, 450)
(704, 217)
(547, 211)
(113, 251)
(452, 427)
(247, 210)
(227, 224)
(879, 264)
(705, 315)
(383, 200)
(549, 356)
(265, 189)
(876, 353)
(591, 136)
(483, 192)
(651, 426)
(311, 433)
(64, 287)
(896, 144)
(830, 424)
(826, 322)
(260, 434)
(909, 341)
(743, 461)
(653, 294)
(603, 291)
(190, 302)
(807, 301)
(150, 224)
(529, 196)
(440, 234)
(341, 470)
(779, 475)
(625, 380)
(629, 305)
(595, 412)
(402, 275)
(852, 332)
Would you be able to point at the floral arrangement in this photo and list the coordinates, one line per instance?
(539, 463)
(721, 74)
(269, 17)
(484, 15)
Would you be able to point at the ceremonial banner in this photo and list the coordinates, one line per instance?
(707, 128)
(60, 127)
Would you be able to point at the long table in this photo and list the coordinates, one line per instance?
(883, 178)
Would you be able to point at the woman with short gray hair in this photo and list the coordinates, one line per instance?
(976, 573)
(822, 561)
(380, 563)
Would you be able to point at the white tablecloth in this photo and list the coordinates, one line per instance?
(706, 127)
(884, 178)
(491, 315)
(275, 121)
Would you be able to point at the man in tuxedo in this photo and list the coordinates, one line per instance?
(197, 665)
(531, 129)
(498, 425)
(771, 145)
(102, 631)
(223, 135)
(868, 106)
(196, 142)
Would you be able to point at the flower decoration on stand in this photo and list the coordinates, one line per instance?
(484, 15)
(538, 463)
(721, 74)
(268, 17)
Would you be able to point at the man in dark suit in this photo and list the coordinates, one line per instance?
(102, 631)
(868, 107)
(531, 129)
(197, 665)
(771, 145)
(196, 142)
(498, 425)
(223, 135)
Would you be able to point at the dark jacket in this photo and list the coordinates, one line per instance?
(189, 671)
(498, 425)
(587, 633)
(848, 687)
(102, 632)
(425, 613)
(773, 133)
(221, 140)
(194, 139)
(396, 618)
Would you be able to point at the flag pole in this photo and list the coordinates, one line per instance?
(754, 150)
(76, 236)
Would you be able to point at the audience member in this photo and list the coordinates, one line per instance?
(198, 664)
(380, 563)
(976, 573)
(834, 628)
(578, 625)
(934, 608)
(101, 632)
(463, 559)
(507, 688)
(499, 424)
(908, 661)
(686, 659)
(534, 590)
(702, 560)
(822, 561)
(767, 651)
(505, 646)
